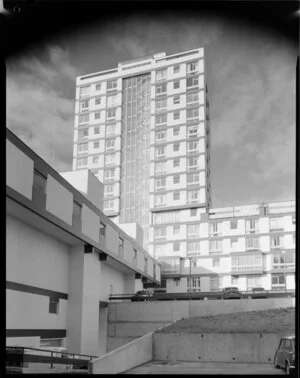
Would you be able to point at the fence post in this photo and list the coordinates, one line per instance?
(51, 361)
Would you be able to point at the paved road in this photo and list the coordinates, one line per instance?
(179, 367)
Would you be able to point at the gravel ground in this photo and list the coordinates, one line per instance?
(281, 320)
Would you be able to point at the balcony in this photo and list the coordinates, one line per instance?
(247, 269)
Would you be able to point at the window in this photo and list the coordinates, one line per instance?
(233, 224)
(77, 210)
(160, 182)
(111, 100)
(176, 281)
(215, 246)
(110, 129)
(176, 229)
(192, 162)
(84, 91)
(83, 118)
(176, 131)
(176, 115)
(294, 219)
(252, 243)
(278, 281)
(160, 104)
(193, 178)
(159, 250)
(193, 196)
(95, 171)
(160, 200)
(160, 119)
(176, 247)
(111, 113)
(192, 98)
(176, 179)
(234, 281)
(109, 175)
(134, 256)
(102, 228)
(176, 196)
(234, 243)
(194, 284)
(160, 151)
(215, 228)
(110, 144)
(253, 281)
(176, 147)
(145, 264)
(160, 136)
(108, 205)
(160, 89)
(110, 159)
(97, 100)
(214, 283)
(193, 248)
(108, 189)
(83, 133)
(247, 263)
(176, 84)
(277, 241)
(251, 226)
(167, 217)
(97, 115)
(176, 100)
(193, 230)
(193, 212)
(176, 69)
(283, 259)
(96, 130)
(193, 131)
(95, 145)
(160, 167)
(193, 146)
(53, 305)
(161, 75)
(160, 233)
(84, 104)
(192, 113)
(192, 67)
(216, 261)
(192, 82)
(82, 162)
(176, 163)
(112, 84)
(83, 147)
(98, 87)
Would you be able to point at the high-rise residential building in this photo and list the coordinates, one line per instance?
(243, 246)
(143, 129)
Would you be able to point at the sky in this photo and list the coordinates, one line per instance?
(251, 76)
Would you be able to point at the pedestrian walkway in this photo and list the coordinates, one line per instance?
(226, 368)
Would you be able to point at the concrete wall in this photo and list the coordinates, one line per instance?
(222, 347)
(18, 162)
(124, 358)
(59, 201)
(90, 223)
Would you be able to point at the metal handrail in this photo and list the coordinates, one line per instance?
(49, 351)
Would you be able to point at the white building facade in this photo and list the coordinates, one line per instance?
(244, 246)
(64, 257)
(143, 129)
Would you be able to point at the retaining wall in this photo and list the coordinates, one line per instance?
(222, 347)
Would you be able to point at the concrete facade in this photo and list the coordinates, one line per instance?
(61, 264)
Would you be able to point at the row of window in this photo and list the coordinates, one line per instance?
(85, 90)
(191, 98)
(193, 247)
(85, 118)
(192, 113)
(109, 145)
(110, 130)
(193, 196)
(192, 146)
(191, 68)
(110, 101)
(191, 82)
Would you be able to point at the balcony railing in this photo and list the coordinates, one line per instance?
(249, 268)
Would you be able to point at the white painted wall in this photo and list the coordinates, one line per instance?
(112, 281)
(19, 170)
(90, 223)
(34, 258)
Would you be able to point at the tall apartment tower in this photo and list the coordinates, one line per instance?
(143, 129)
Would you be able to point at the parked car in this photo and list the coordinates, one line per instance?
(141, 295)
(285, 355)
(258, 293)
(231, 293)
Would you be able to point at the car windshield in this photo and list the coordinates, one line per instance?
(230, 288)
(258, 289)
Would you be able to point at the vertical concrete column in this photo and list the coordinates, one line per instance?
(83, 302)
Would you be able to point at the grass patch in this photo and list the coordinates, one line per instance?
(280, 320)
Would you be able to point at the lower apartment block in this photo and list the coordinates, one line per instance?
(64, 257)
(243, 246)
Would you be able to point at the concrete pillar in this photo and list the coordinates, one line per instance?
(83, 302)
(133, 284)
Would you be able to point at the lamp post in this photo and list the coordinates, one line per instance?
(284, 269)
(190, 274)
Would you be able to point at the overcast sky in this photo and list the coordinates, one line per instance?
(251, 88)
